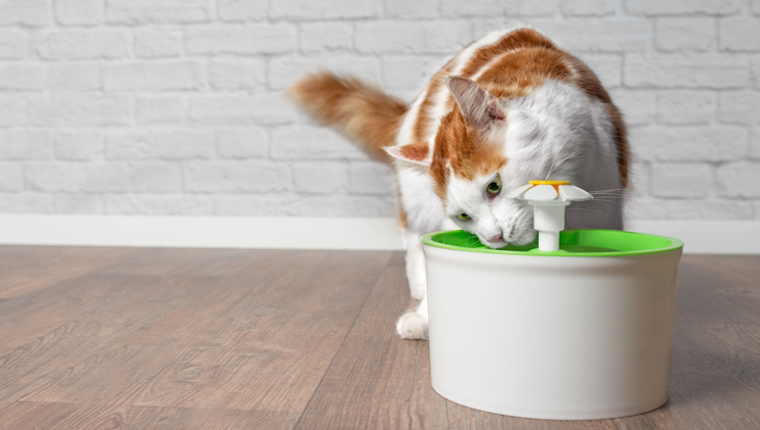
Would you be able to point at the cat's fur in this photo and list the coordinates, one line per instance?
(510, 106)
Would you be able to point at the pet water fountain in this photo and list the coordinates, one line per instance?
(576, 326)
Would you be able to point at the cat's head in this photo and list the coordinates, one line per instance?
(483, 150)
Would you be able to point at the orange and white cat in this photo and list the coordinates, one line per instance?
(509, 108)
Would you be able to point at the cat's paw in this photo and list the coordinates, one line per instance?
(412, 325)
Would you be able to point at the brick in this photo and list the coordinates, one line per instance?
(237, 74)
(82, 44)
(409, 71)
(341, 206)
(249, 142)
(273, 204)
(152, 12)
(406, 37)
(389, 37)
(707, 143)
(446, 37)
(589, 7)
(305, 142)
(284, 71)
(158, 43)
(370, 177)
(607, 67)
(321, 177)
(79, 109)
(77, 203)
(326, 36)
(740, 34)
(417, 9)
(739, 107)
(686, 33)
(530, 7)
(594, 35)
(12, 110)
(321, 10)
(639, 175)
(754, 150)
(11, 176)
(242, 10)
(14, 44)
(681, 180)
(685, 107)
(76, 76)
(490, 8)
(152, 76)
(638, 106)
(155, 177)
(686, 71)
(79, 12)
(252, 39)
(22, 76)
(160, 144)
(25, 145)
(680, 7)
(242, 109)
(237, 176)
(158, 204)
(79, 145)
(738, 180)
(689, 209)
(76, 177)
(161, 110)
(28, 13)
(29, 203)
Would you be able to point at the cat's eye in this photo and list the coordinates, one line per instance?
(463, 217)
(494, 188)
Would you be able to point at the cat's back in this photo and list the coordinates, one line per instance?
(508, 64)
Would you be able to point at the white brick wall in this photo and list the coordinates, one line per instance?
(175, 107)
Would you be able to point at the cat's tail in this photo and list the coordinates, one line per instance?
(360, 111)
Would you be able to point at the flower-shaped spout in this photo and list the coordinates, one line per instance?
(549, 199)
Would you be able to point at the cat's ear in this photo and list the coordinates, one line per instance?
(417, 154)
(477, 105)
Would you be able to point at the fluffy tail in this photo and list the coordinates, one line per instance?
(361, 112)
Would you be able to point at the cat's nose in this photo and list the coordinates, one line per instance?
(497, 238)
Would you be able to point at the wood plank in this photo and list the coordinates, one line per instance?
(262, 341)
(97, 314)
(715, 380)
(378, 380)
(26, 269)
(67, 416)
(708, 292)
(464, 418)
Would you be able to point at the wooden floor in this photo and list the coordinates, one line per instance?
(102, 338)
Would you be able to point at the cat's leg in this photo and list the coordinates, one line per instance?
(415, 265)
(414, 324)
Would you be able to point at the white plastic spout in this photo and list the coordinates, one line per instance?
(549, 220)
(549, 199)
(548, 240)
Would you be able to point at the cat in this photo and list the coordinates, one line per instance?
(509, 108)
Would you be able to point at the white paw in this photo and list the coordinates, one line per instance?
(412, 325)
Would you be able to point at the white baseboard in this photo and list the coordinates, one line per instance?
(701, 237)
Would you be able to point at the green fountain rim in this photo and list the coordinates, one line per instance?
(573, 243)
